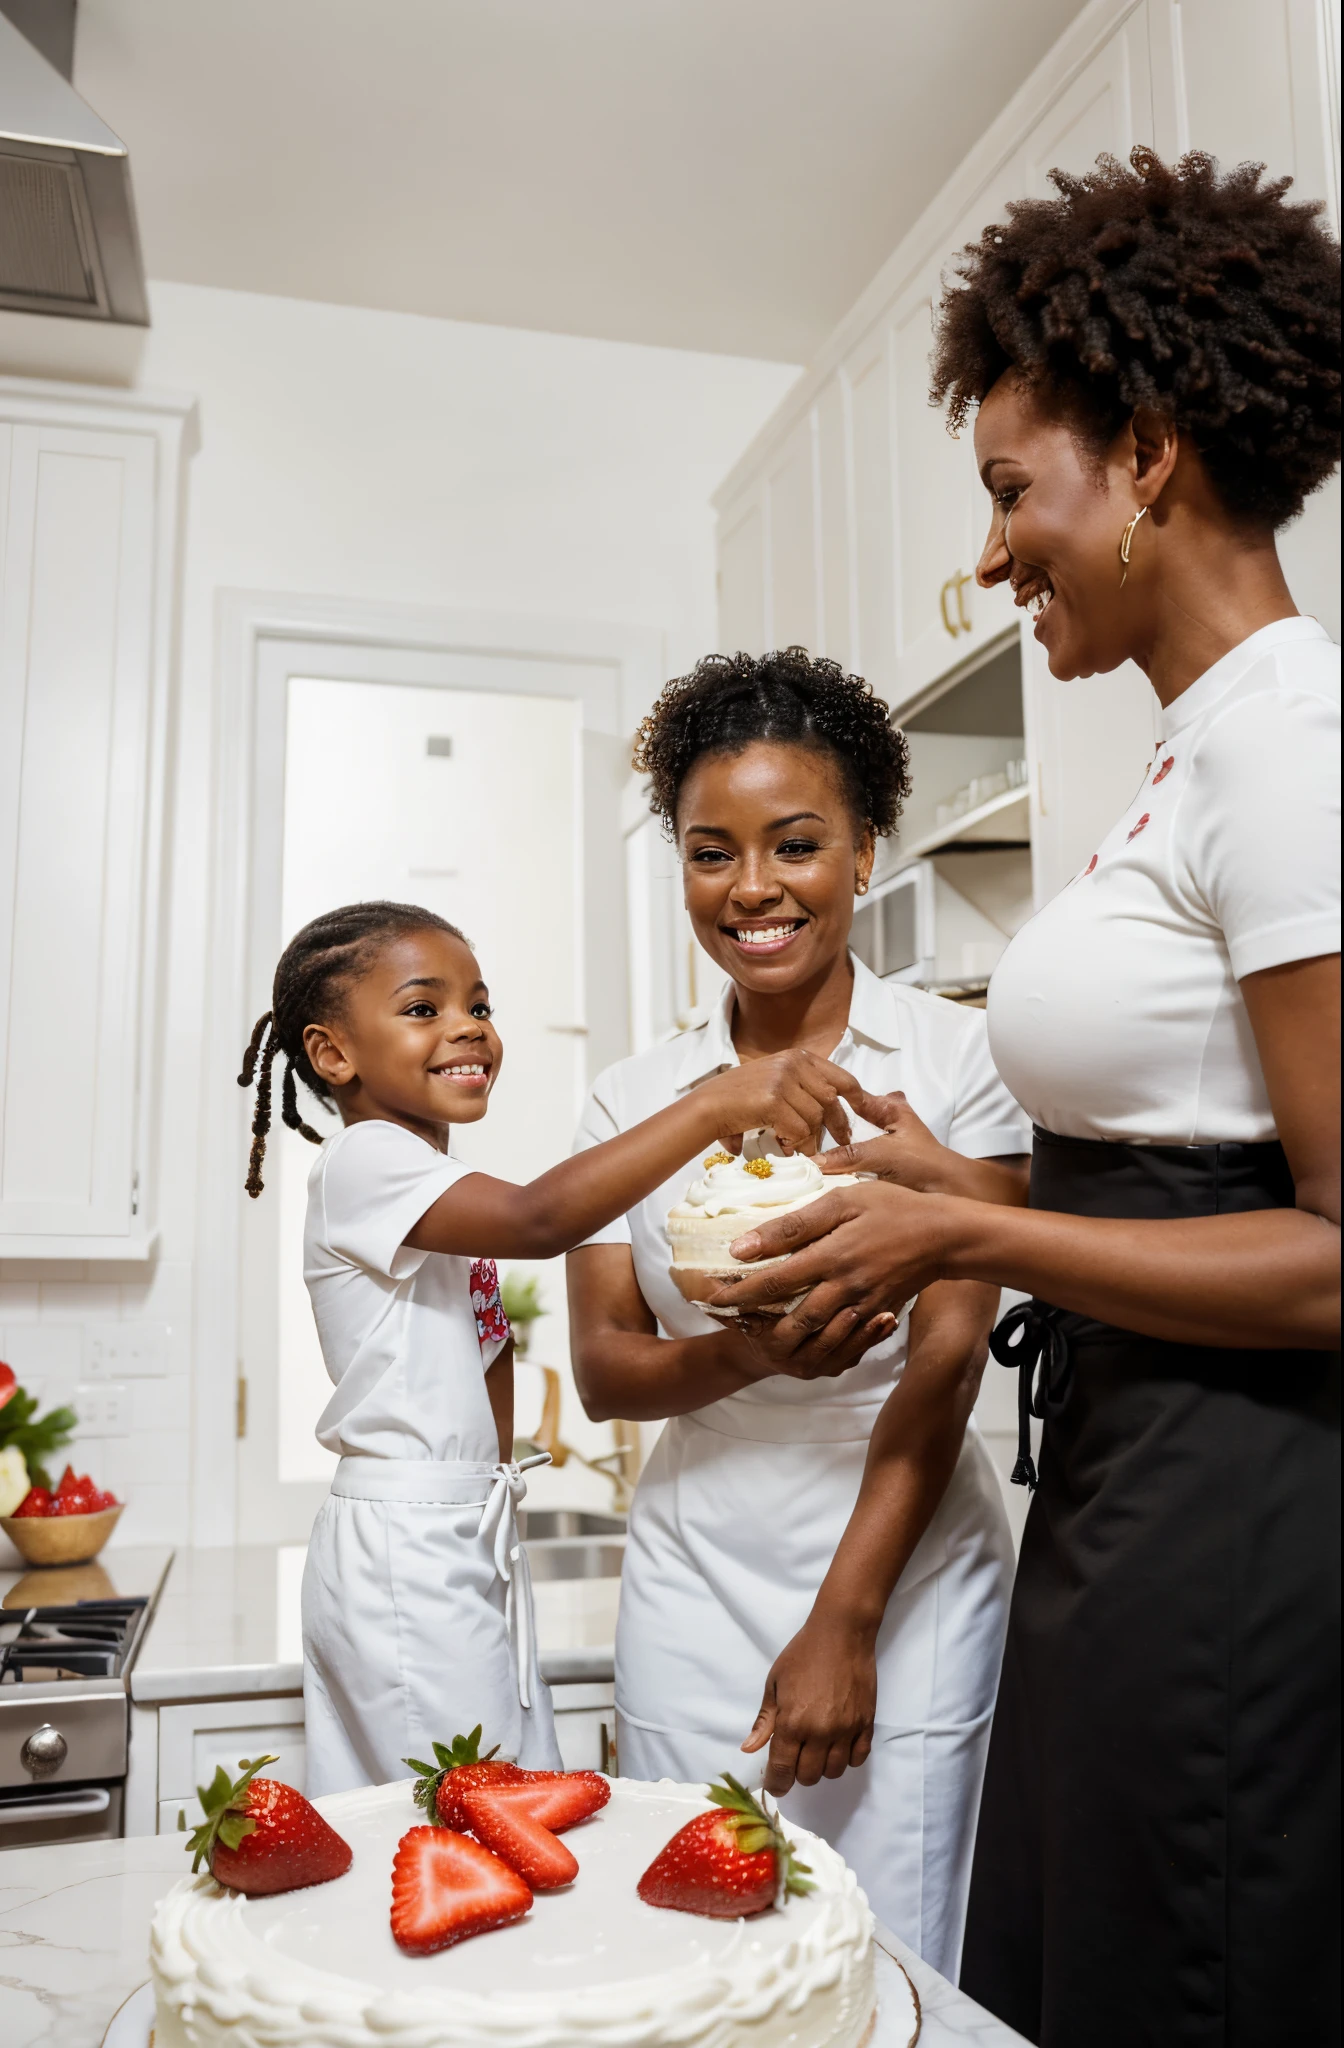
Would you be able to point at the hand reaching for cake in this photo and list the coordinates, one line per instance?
(794, 1094)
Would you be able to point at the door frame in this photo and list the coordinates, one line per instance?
(261, 639)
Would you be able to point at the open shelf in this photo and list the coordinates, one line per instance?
(968, 831)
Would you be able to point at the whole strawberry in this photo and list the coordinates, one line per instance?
(460, 1769)
(261, 1836)
(727, 1864)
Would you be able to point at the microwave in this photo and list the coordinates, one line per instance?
(894, 929)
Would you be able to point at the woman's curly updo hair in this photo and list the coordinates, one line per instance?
(730, 701)
(1208, 297)
(315, 969)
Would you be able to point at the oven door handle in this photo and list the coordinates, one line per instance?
(55, 1806)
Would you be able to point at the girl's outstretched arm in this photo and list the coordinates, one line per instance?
(794, 1094)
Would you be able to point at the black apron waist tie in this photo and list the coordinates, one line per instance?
(1030, 1342)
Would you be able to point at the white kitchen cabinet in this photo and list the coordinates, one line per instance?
(195, 1740)
(897, 513)
(91, 489)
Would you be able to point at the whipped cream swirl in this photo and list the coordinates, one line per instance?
(739, 1184)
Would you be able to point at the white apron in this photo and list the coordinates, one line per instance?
(730, 1538)
(417, 1621)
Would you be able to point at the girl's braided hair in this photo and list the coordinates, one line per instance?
(315, 967)
(1208, 296)
(730, 701)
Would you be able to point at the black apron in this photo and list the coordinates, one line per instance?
(1157, 1854)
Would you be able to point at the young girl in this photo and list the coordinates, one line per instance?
(416, 1601)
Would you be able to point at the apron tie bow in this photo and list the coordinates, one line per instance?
(1029, 1341)
(499, 1525)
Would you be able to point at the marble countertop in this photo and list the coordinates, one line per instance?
(227, 1625)
(74, 1931)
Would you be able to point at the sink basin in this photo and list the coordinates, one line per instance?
(575, 1560)
(543, 1524)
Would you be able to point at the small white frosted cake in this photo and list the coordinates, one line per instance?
(730, 1198)
(589, 1967)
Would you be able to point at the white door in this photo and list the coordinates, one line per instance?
(468, 803)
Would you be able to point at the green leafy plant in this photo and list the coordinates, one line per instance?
(522, 1301)
(37, 1436)
(521, 1298)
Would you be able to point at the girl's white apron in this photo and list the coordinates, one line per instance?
(736, 1520)
(417, 1621)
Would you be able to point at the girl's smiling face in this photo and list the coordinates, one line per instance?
(413, 1040)
(1058, 514)
(771, 854)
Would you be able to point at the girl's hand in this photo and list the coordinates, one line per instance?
(862, 1252)
(818, 1706)
(767, 1345)
(794, 1094)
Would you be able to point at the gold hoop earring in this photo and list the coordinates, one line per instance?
(1127, 542)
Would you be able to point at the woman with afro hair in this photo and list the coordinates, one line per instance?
(1152, 358)
(818, 1562)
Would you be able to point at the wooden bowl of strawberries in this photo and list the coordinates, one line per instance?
(67, 1526)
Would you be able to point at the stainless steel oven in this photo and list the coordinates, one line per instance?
(65, 1712)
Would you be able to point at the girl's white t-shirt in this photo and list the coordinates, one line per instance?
(1116, 1011)
(406, 1335)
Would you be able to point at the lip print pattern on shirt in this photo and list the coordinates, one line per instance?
(1135, 830)
(492, 1325)
(1165, 770)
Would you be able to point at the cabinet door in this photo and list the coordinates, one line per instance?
(793, 601)
(835, 635)
(1108, 106)
(867, 391)
(742, 619)
(76, 655)
(194, 1741)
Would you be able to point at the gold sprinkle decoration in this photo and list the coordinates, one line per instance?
(719, 1159)
(760, 1167)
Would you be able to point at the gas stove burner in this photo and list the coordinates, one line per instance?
(87, 1640)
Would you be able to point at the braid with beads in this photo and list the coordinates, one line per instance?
(316, 964)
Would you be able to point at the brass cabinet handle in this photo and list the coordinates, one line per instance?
(955, 587)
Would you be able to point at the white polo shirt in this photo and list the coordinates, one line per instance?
(897, 1037)
(1116, 1012)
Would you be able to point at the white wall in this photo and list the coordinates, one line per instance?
(381, 456)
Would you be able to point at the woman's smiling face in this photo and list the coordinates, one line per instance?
(1058, 514)
(771, 853)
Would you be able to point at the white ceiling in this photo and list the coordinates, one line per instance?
(708, 174)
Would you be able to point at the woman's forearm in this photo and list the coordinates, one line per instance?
(647, 1378)
(1267, 1278)
(912, 1455)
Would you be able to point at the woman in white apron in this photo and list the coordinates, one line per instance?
(417, 1606)
(861, 1618)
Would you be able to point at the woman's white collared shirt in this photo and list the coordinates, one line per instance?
(897, 1038)
(743, 1503)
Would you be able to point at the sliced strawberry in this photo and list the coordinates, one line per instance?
(37, 1501)
(460, 1768)
(66, 1483)
(727, 1864)
(261, 1836)
(561, 1799)
(446, 1887)
(498, 1816)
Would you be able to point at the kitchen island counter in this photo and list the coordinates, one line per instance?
(74, 1928)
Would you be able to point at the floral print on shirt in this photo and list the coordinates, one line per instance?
(492, 1325)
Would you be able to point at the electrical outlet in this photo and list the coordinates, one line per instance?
(103, 1408)
(115, 1351)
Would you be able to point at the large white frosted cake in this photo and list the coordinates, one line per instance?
(589, 1967)
(731, 1197)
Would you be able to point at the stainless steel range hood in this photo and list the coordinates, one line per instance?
(68, 238)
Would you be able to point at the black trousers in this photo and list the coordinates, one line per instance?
(1158, 1850)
